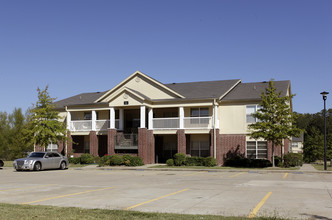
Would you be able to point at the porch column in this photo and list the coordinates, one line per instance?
(68, 120)
(94, 118)
(142, 116)
(181, 113)
(150, 118)
(121, 119)
(216, 118)
(112, 118)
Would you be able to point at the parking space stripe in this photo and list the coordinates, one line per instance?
(152, 200)
(28, 187)
(259, 205)
(285, 176)
(66, 195)
(236, 174)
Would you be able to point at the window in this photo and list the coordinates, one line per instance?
(200, 148)
(199, 112)
(257, 149)
(52, 147)
(87, 116)
(252, 109)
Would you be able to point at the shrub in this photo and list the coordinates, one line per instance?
(170, 162)
(116, 160)
(104, 160)
(195, 161)
(74, 160)
(237, 161)
(179, 159)
(136, 161)
(260, 163)
(210, 162)
(277, 161)
(127, 159)
(293, 159)
(87, 159)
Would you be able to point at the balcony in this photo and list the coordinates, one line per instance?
(188, 123)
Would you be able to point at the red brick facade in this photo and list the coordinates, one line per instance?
(146, 149)
(111, 133)
(181, 141)
(93, 143)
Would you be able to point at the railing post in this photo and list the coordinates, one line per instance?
(112, 118)
(150, 118)
(94, 118)
(181, 111)
(142, 118)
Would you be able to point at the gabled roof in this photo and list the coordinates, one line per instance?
(80, 99)
(207, 89)
(138, 73)
(253, 91)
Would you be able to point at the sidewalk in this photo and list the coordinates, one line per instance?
(307, 168)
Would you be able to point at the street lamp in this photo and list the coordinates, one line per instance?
(324, 94)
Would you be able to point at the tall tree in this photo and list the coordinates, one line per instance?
(44, 125)
(276, 120)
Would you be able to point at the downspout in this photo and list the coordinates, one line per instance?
(214, 132)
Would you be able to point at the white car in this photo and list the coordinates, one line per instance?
(41, 161)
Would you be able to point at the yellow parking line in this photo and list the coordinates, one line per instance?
(193, 174)
(259, 205)
(66, 195)
(236, 174)
(285, 176)
(142, 203)
(28, 187)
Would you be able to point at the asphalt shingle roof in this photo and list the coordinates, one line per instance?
(208, 89)
(80, 99)
(253, 91)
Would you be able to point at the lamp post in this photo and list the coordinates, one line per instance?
(324, 94)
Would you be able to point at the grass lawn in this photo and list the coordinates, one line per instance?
(221, 167)
(11, 211)
(321, 167)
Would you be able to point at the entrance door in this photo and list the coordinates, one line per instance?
(102, 145)
(165, 147)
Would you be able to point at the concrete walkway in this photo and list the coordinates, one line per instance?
(307, 168)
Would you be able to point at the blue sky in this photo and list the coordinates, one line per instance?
(77, 46)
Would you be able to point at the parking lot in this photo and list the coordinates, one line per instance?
(290, 194)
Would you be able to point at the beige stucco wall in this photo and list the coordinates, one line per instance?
(125, 96)
(232, 119)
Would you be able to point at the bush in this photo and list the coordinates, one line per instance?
(293, 159)
(277, 161)
(260, 163)
(237, 161)
(74, 160)
(179, 159)
(210, 162)
(87, 159)
(170, 162)
(136, 161)
(195, 161)
(104, 160)
(116, 160)
(127, 159)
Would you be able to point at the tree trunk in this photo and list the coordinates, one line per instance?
(273, 165)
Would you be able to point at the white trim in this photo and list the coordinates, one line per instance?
(181, 114)
(150, 118)
(142, 118)
(94, 118)
(112, 118)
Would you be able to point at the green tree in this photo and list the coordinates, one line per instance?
(276, 121)
(44, 124)
(4, 131)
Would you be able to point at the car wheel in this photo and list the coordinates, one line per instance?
(63, 165)
(18, 170)
(37, 166)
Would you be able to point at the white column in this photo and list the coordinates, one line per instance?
(112, 118)
(121, 119)
(150, 118)
(68, 120)
(94, 118)
(181, 111)
(142, 116)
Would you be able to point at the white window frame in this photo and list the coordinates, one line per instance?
(52, 147)
(256, 148)
(256, 108)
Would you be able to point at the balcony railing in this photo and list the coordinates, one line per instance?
(126, 141)
(166, 123)
(158, 124)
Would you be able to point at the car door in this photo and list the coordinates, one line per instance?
(47, 161)
(56, 160)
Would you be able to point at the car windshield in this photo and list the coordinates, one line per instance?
(36, 154)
